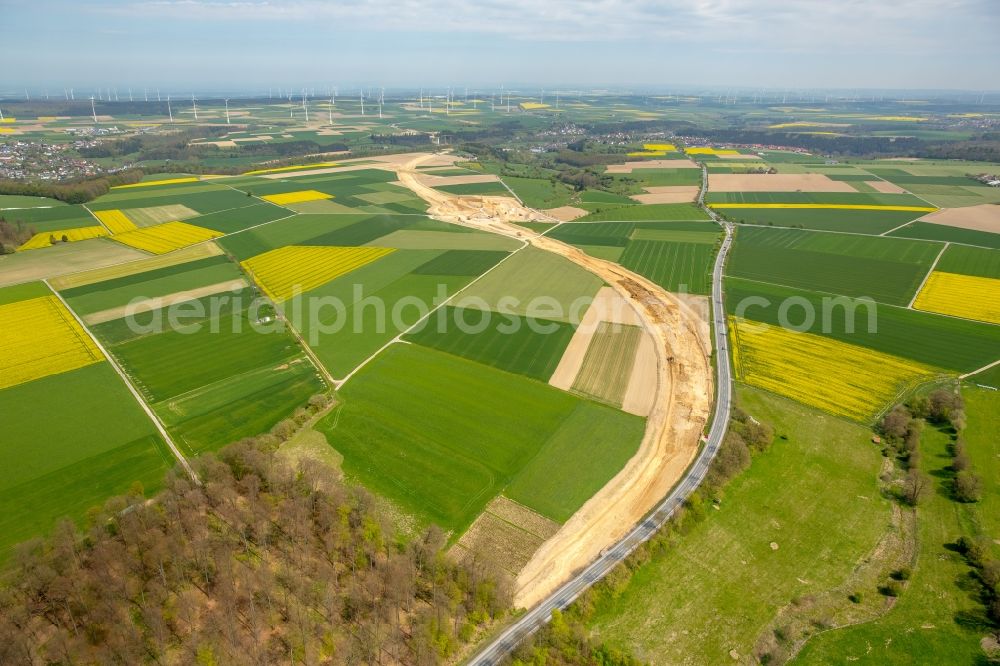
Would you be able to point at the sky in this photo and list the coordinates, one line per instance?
(261, 44)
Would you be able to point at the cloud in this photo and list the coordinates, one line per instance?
(781, 24)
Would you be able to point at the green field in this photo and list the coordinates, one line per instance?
(942, 232)
(970, 261)
(539, 193)
(814, 494)
(683, 267)
(419, 239)
(598, 441)
(465, 432)
(244, 217)
(507, 342)
(620, 233)
(858, 198)
(70, 441)
(934, 617)
(664, 212)
(20, 201)
(151, 284)
(958, 345)
(540, 283)
(171, 363)
(218, 379)
(202, 198)
(290, 231)
(887, 269)
(55, 218)
(348, 319)
(481, 189)
(824, 219)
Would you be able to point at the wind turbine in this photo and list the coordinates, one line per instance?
(421, 98)
(93, 109)
(227, 111)
(1, 115)
(493, 102)
(145, 93)
(130, 95)
(362, 101)
(330, 109)
(169, 112)
(157, 94)
(305, 107)
(71, 95)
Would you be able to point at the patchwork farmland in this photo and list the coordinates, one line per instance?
(513, 341)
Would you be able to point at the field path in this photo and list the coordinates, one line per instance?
(674, 427)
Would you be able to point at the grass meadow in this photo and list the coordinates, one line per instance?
(814, 494)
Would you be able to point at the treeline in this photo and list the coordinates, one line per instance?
(901, 429)
(863, 146)
(74, 191)
(401, 139)
(13, 234)
(566, 640)
(259, 564)
(984, 149)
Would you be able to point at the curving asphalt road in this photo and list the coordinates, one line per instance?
(532, 620)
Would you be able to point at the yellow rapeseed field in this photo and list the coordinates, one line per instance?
(915, 209)
(115, 220)
(669, 147)
(6, 130)
(296, 167)
(151, 183)
(166, 237)
(839, 378)
(39, 337)
(295, 269)
(967, 296)
(528, 106)
(296, 197)
(647, 153)
(706, 150)
(44, 239)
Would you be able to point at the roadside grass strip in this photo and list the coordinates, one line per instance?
(300, 196)
(814, 206)
(45, 239)
(967, 296)
(836, 377)
(291, 270)
(39, 337)
(296, 167)
(151, 183)
(115, 220)
(166, 237)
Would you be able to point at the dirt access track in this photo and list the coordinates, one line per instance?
(682, 401)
